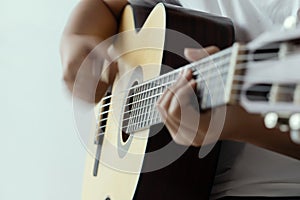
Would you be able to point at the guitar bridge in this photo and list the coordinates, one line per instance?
(100, 129)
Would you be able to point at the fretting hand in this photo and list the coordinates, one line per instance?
(178, 105)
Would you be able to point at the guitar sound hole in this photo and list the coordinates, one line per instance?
(107, 198)
(127, 115)
(125, 136)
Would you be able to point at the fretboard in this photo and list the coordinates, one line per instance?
(211, 74)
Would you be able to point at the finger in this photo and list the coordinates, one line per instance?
(177, 136)
(162, 104)
(182, 117)
(182, 133)
(196, 54)
(183, 97)
(188, 120)
(166, 98)
(179, 92)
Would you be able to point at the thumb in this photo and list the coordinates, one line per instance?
(193, 54)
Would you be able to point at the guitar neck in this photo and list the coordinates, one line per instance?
(214, 76)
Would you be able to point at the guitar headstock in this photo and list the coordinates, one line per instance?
(267, 81)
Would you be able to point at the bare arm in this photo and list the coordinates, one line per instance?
(91, 22)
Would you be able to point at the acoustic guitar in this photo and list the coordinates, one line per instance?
(132, 156)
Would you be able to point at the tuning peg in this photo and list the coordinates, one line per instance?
(294, 123)
(290, 23)
(271, 120)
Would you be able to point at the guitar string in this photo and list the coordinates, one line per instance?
(164, 86)
(161, 87)
(145, 99)
(242, 49)
(236, 87)
(205, 61)
(199, 71)
(287, 91)
(141, 124)
(149, 121)
(152, 105)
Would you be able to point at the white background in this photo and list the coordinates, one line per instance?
(41, 156)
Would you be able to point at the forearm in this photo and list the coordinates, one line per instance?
(249, 128)
(91, 22)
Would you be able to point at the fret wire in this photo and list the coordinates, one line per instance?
(157, 120)
(140, 99)
(132, 119)
(134, 125)
(134, 106)
(142, 110)
(155, 110)
(135, 112)
(223, 70)
(161, 89)
(140, 106)
(218, 96)
(159, 86)
(207, 67)
(165, 84)
(143, 120)
(155, 91)
(145, 110)
(152, 101)
(223, 77)
(149, 109)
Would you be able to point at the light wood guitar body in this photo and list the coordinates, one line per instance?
(122, 159)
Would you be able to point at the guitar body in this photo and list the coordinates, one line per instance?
(124, 170)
